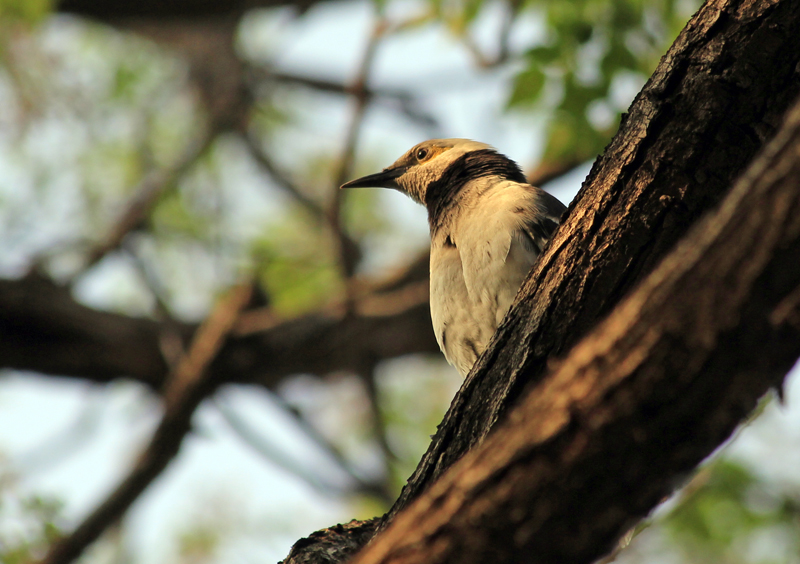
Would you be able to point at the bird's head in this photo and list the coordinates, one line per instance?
(433, 163)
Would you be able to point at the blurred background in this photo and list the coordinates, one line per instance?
(154, 154)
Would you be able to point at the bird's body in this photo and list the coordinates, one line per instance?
(488, 226)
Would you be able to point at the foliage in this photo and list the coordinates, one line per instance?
(28, 522)
(595, 55)
(729, 515)
(24, 11)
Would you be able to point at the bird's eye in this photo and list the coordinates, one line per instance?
(421, 154)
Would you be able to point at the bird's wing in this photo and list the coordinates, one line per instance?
(543, 216)
(501, 239)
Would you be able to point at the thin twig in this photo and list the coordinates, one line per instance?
(404, 101)
(367, 375)
(273, 454)
(146, 195)
(153, 284)
(186, 388)
(379, 489)
(170, 341)
(332, 86)
(347, 255)
(504, 48)
(280, 178)
(374, 304)
(316, 210)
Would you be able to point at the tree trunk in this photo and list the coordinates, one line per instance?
(713, 101)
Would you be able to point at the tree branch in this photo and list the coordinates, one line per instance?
(275, 455)
(709, 106)
(348, 256)
(110, 10)
(43, 329)
(186, 388)
(405, 101)
(145, 197)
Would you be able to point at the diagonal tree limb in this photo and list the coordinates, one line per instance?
(186, 387)
(636, 404)
(263, 160)
(711, 103)
(146, 195)
(309, 204)
(275, 455)
(377, 488)
(503, 48)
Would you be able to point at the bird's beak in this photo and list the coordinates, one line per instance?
(384, 179)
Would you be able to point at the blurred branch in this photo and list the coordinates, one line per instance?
(377, 488)
(367, 375)
(186, 387)
(347, 259)
(548, 171)
(361, 94)
(503, 48)
(309, 204)
(43, 329)
(263, 159)
(147, 194)
(170, 339)
(275, 455)
(151, 282)
(115, 10)
(375, 304)
(404, 100)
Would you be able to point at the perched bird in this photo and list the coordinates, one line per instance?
(488, 226)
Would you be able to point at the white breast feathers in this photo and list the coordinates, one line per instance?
(479, 259)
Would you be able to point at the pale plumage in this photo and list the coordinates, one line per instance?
(487, 225)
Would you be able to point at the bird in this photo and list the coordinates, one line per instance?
(487, 228)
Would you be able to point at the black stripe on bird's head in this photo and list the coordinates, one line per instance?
(436, 170)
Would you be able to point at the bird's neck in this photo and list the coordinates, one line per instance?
(444, 195)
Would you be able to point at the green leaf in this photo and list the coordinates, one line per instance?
(725, 509)
(24, 11)
(295, 263)
(528, 86)
(543, 54)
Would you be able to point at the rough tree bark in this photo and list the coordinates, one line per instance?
(714, 100)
